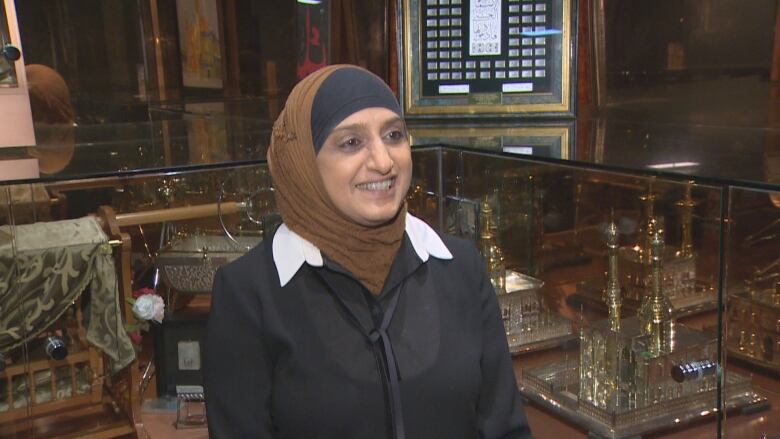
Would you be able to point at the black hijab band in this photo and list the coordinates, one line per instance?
(344, 92)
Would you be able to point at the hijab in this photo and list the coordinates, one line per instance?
(314, 107)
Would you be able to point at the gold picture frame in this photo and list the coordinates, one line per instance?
(491, 58)
(550, 141)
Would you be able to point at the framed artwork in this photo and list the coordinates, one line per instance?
(467, 58)
(200, 43)
(551, 141)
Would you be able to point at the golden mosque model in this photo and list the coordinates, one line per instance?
(753, 329)
(684, 292)
(637, 374)
(529, 326)
(678, 278)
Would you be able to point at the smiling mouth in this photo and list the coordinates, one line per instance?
(377, 185)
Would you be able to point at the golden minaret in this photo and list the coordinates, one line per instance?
(488, 247)
(648, 217)
(612, 292)
(655, 314)
(686, 205)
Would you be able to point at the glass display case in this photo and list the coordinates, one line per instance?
(634, 254)
(637, 299)
(152, 207)
(655, 290)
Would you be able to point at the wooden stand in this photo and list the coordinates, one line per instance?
(111, 407)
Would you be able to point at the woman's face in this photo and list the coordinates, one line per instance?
(366, 165)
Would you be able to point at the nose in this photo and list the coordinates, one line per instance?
(379, 159)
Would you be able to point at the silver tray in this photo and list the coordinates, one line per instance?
(553, 387)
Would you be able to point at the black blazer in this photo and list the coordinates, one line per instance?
(297, 362)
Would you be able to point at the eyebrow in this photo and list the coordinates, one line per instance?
(362, 125)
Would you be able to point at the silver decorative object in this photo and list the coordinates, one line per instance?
(188, 265)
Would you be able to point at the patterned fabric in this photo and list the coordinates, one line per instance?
(44, 269)
(31, 203)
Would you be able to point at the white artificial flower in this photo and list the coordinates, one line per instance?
(149, 307)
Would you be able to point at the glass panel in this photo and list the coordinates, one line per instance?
(752, 321)
(723, 152)
(168, 140)
(554, 140)
(425, 194)
(685, 62)
(182, 225)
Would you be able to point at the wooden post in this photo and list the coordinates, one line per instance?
(125, 385)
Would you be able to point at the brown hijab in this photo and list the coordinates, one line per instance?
(367, 252)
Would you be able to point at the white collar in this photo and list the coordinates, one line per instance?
(290, 250)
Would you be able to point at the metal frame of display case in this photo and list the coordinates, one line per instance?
(525, 65)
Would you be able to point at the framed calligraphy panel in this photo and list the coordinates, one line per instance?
(487, 58)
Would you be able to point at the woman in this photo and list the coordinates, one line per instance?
(356, 320)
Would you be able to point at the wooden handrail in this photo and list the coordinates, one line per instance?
(177, 213)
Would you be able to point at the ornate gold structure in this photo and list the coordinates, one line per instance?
(753, 330)
(678, 280)
(626, 366)
(488, 247)
(647, 201)
(612, 293)
(637, 374)
(527, 324)
(655, 314)
(686, 206)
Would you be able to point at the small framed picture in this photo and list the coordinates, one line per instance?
(467, 58)
(200, 42)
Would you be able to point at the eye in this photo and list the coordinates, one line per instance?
(351, 143)
(396, 135)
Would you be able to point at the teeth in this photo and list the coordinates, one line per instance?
(377, 185)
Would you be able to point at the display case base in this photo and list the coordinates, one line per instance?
(554, 387)
(517, 345)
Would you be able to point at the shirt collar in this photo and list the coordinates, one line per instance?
(291, 250)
